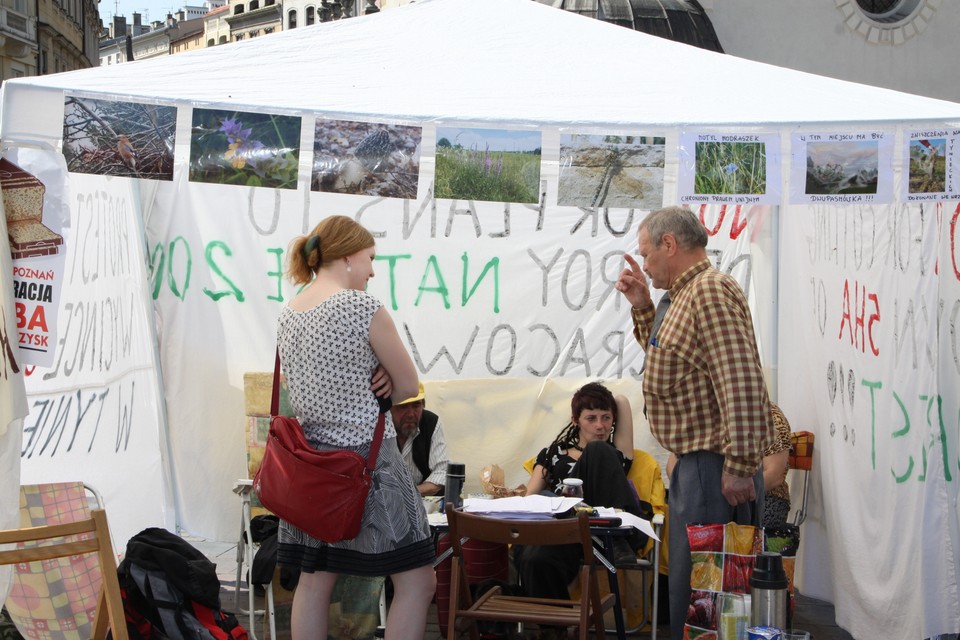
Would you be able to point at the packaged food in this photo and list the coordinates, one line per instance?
(764, 633)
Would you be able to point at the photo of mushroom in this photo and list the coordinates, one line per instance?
(845, 167)
(113, 138)
(611, 171)
(928, 165)
(730, 168)
(496, 165)
(244, 148)
(365, 158)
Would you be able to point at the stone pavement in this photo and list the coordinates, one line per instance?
(811, 615)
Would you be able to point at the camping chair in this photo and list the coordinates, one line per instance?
(801, 459)
(65, 580)
(580, 612)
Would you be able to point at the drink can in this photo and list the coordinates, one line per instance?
(763, 633)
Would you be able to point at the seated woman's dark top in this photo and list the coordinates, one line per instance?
(559, 465)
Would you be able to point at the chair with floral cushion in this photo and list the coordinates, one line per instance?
(65, 584)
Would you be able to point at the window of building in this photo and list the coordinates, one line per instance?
(254, 5)
(237, 10)
(238, 36)
(292, 19)
(270, 3)
(888, 11)
(887, 21)
(223, 40)
(311, 16)
(211, 42)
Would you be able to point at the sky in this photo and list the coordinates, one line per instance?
(150, 9)
(497, 139)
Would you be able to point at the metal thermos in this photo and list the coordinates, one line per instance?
(453, 491)
(768, 587)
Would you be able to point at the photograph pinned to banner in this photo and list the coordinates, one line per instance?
(842, 168)
(366, 158)
(244, 148)
(496, 165)
(931, 158)
(611, 171)
(112, 138)
(729, 168)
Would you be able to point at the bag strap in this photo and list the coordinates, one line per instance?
(377, 433)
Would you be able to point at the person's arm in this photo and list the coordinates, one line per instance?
(775, 469)
(537, 481)
(776, 459)
(393, 356)
(623, 433)
(633, 285)
(732, 359)
(437, 460)
(671, 463)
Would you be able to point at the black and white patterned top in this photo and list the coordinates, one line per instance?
(326, 355)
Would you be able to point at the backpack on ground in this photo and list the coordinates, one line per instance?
(171, 591)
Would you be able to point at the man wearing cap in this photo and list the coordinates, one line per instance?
(420, 438)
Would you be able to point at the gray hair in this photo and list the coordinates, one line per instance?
(678, 221)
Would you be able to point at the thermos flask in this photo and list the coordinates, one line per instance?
(453, 491)
(768, 585)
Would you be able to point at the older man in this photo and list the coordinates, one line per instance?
(420, 438)
(704, 390)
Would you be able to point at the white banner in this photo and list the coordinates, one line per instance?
(96, 412)
(865, 367)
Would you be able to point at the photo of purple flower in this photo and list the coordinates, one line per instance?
(242, 148)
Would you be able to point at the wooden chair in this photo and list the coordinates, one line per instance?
(583, 612)
(72, 539)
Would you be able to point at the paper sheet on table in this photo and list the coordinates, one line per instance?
(628, 520)
(521, 507)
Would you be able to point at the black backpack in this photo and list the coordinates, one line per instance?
(171, 590)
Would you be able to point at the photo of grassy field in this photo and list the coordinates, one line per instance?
(730, 168)
(498, 165)
(611, 171)
(928, 165)
(846, 167)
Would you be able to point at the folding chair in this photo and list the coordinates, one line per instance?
(649, 565)
(246, 550)
(37, 546)
(801, 459)
(582, 612)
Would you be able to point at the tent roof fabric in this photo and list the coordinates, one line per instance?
(485, 61)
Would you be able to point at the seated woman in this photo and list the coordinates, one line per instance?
(776, 463)
(597, 447)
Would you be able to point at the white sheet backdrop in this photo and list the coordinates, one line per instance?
(502, 348)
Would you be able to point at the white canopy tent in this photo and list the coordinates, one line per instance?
(171, 288)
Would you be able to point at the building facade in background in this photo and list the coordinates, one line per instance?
(18, 38)
(38, 37)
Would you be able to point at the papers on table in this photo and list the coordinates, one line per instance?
(540, 507)
(628, 520)
(536, 507)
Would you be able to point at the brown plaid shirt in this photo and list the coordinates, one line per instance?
(703, 383)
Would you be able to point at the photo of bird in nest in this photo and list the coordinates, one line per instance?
(366, 158)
